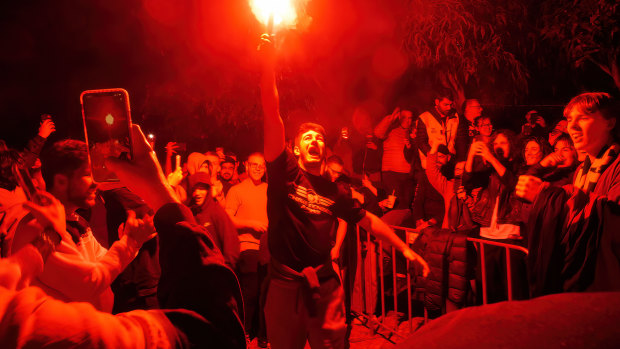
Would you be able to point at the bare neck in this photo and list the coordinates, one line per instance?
(316, 170)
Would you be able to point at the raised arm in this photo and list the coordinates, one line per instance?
(383, 126)
(473, 149)
(433, 173)
(273, 125)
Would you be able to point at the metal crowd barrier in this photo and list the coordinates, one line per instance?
(367, 314)
(480, 243)
(366, 281)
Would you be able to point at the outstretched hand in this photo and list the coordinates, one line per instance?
(143, 174)
(414, 257)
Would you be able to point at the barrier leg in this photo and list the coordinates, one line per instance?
(508, 274)
(483, 268)
(394, 281)
(408, 286)
(381, 280)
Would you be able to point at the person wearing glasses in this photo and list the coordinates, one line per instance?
(484, 128)
(246, 204)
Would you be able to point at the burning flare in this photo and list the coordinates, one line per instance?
(282, 12)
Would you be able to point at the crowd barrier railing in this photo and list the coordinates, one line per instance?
(376, 251)
(480, 245)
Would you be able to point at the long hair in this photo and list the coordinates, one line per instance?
(512, 141)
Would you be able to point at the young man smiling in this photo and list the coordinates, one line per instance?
(305, 299)
(80, 269)
(574, 240)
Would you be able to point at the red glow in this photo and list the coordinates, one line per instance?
(164, 11)
(388, 62)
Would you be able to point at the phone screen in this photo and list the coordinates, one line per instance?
(107, 122)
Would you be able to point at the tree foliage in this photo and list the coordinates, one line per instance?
(463, 40)
(586, 31)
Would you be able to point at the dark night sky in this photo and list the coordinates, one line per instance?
(188, 65)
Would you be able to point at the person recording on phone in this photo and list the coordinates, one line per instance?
(496, 209)
(203, 316)
(80, 269)
(535, 125)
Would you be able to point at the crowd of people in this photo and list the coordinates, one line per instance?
(215, 251)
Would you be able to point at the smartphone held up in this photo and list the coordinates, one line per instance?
(107, 123)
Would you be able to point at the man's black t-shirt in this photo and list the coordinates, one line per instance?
(302, 211)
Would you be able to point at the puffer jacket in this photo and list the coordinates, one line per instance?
(446, 253)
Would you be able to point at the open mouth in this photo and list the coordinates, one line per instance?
(314, 152)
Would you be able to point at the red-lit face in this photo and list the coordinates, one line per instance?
(589, 132)
(567, 151)
(405, 119)
(199, 195)
(256, 167)
(459, 168)
(443, 158)
(81, 188)
(485, 127)
(311, 149)
(533, 153)
(443, 106)
(501, 146)
(227, 170)
(334, 171)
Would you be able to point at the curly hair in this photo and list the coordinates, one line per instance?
(63, 157)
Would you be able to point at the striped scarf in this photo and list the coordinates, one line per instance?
(587, 177)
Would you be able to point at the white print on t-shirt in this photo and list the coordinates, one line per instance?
(310, 201)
